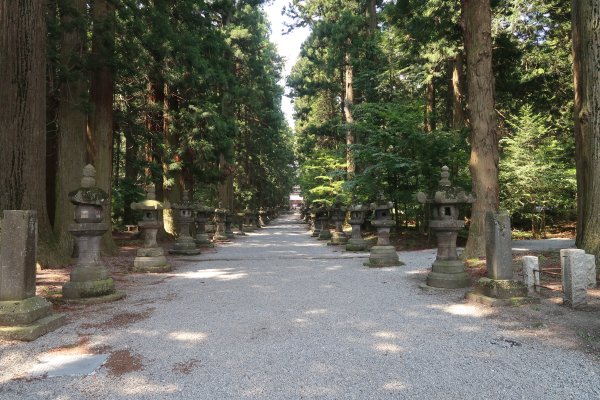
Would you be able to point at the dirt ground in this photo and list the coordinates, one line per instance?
(548, 321)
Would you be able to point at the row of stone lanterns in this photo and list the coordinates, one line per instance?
(447, 270)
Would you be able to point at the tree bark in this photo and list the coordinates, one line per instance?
(586, 58)
(371, 16)
(483, 162)
(72, 119)
(100, 120)
(348, 103)
(430, 121)
(131, 173)
(23, 114)
(458, 111)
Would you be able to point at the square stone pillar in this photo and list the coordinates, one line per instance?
(498, 246)
(574, 274)
(531, 264)
(23, 315)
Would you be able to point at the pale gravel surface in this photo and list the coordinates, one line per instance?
(279, 315)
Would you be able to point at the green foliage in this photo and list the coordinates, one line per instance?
(536, 176)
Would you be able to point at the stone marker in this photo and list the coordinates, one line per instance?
(574, 277)
(203, 214)
(338, 216)
(23, 315)
(89, 280)
(357, 218)
(150, 257)
(499, 289)
(184, 244)
(531, 267)
(447, 270)
(590, 263)
(383, 254)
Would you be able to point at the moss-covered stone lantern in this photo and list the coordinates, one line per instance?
(248, 220)
(241, 217)
(357, 218)
(383, 254)
(150, 257)
(183, 213)
(324, 218)
(89, 280)
(229, 224)
(447, 270)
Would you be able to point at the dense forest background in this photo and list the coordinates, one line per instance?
(184, 94)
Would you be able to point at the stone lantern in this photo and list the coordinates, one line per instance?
(89, 281)
(151, 257)
(228, 224)
(203, 214)
(241, 217)
(338, 216)
(248, 220)
(383, 254)
(220, 215)
(325, 233)
(262, 217)
(357, 218)
(447, 270)
(256, 217)
(184, 245)
(314, 219)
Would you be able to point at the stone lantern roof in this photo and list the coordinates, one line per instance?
(445, 193)
(88, 193)
(185, 203)
(150, 202)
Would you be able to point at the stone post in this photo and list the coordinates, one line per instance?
(574, 277)
(151, 257)
(590, 263)
(499, 288)
(531, 274)
(23, 315)
(183, 211)
(383, 254)
(89, 280)
(357, 218)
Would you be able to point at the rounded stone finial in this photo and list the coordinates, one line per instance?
(445, 181)
(89, 176)
(151, 192)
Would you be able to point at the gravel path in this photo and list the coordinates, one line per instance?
(279, 315)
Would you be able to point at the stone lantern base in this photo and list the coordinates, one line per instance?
(383, 256)
(203, 240)
(338, 239)
(495, 293)
(150, 260)
(325, 234)
(448, 274)
(315, 233)
(357, 245)
(185, 246)
(90, 284)
(27, 319)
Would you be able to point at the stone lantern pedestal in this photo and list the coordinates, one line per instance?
(383, 254)
(228, 224)
(248, 220)
(151, 257)
(241, 218)
(357, 218)
(89, 281)
(338, 216)
(325, 232)
(203, 214)
(220, 234)
(447, 270)
(184, 245)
